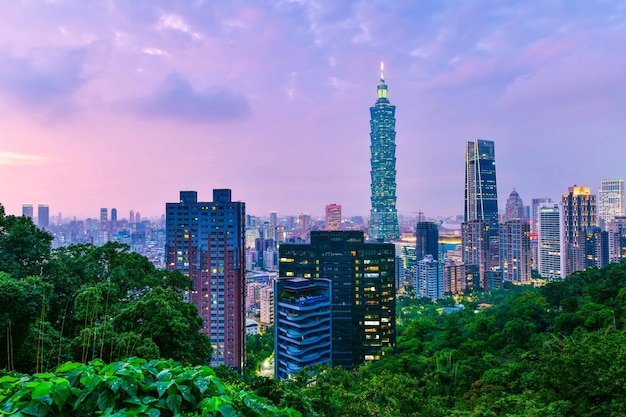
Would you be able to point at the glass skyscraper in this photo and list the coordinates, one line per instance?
(384, 215)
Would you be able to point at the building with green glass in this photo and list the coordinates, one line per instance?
(383, 215)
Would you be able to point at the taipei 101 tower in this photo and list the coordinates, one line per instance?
(384, 215)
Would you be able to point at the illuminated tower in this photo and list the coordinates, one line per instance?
(384, 215)
(333, 217)
(579, 213)
(481, 194)
(610, 201)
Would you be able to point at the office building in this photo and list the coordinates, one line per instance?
(579, 213)
(363, 293)
(43, 216)
(481, 194)
(205, 241)
(302, 336)
(515, 257)
(27, 211)
(534, 219)
(454, 277)
(617, 239)
(113, 214)
(476, 253)
(104, 214)
(429, 281)
(273, 218)
(596, 247)
(550, 262)
(383, 215)
(426, 240)
(333, 217)
(514, 207)
(610, 201)
(266, 303)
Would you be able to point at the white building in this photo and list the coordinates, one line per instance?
(610, 201)
(550, 238)
(429, 281)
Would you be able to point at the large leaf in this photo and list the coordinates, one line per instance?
(174, 402)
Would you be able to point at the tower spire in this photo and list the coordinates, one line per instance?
(382, 74)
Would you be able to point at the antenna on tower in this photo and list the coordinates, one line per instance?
(382, 69)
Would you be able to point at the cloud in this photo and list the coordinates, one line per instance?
(45, 77)
(176, 23)
(155, 52)
(177, 98)
(10, 158)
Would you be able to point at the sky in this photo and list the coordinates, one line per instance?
(125, 103)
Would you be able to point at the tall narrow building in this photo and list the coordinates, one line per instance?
(206, 242)
(550, 260)
(481, 194)
(579, 213)
(426, 240)
(333, 217)
(383, 215)
(610, 201)
(43, 216)
(515, 258)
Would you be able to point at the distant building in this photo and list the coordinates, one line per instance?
(266, 301)
(27, 211)
(514, 207)
(579, 213)
(550, 261)
(104, 214)
(475, 242)
(515, 258)
(43, 216)
(610, 201)
(273, 218)
(363, 290)
(426, 240)
(481, 194)
(454, 277)
(430, 278)
(205, 241)
(333, 217)
(534, 220)
(617, 239)
(596, 247)
(384, 214)
(303, 330)
(113, 214)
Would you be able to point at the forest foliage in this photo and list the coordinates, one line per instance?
(109, 315)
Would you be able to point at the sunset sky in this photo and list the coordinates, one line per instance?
(125, 103)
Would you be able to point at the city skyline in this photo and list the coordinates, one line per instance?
(124, 104)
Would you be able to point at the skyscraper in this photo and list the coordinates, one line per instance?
(550, 260)
(362, 290)
(515, 259)
(383, 215)
(104, 214)
(206, 242)
(426, 240)
(43, 216)
(579, 213)
(534, 221)
(514, 207)
(476, 254)
(481, 194)
(333, 217)
(610, 201)
(429, 282)
(27, 211)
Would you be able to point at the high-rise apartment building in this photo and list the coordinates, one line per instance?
(384, 214)
(579, 213)
(104, 214)
(534, 213)
(476, 253)
(273, 218)
(514, 207)
(43, 216)
(426, 240)
(205, 241)
(362, 296)
(481, 194)
(596, 247)
(515, 259)
(610, 201)
(333, 217)
(550, 260)
(303, 328)
(27, 211)
(429, 281)
(617, 239)
(114, 214)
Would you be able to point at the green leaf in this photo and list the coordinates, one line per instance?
(68, 366)
(162, 386)
(42, 389)
(130, 387)
(184, 389)
(148, 399)
(91, 381)
(106, 400)
(226, 410)
(60, 394)
(46, 375)
(39, 409)
(203, 384)
(8, 378)
(174, 402)
(154, 412)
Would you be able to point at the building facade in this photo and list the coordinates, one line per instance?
(206, 242)
(515, 257)
(383, 215)
(303, 330)
(475, 242)
(579, 213)
(515, 209)
(550, 262)
(610, 201)
(43, 216)
(363, 291)
(429, 281)
(333, 217)
(426, 240)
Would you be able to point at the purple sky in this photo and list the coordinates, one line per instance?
(124, 103)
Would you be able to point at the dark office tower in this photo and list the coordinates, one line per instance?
(302, 329)
(131, 217)
(481, 194)
(426, 240)
(27, 210)
(475, 246)
(384, 215)
(514, 207)
(206, 242)
(515, 258)
(333, 217)
(579, 213)
(596, 247)
(138, 217)
(113, 214)
(362, 296)
(43, 216)
(104, 214)
(273, 218)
